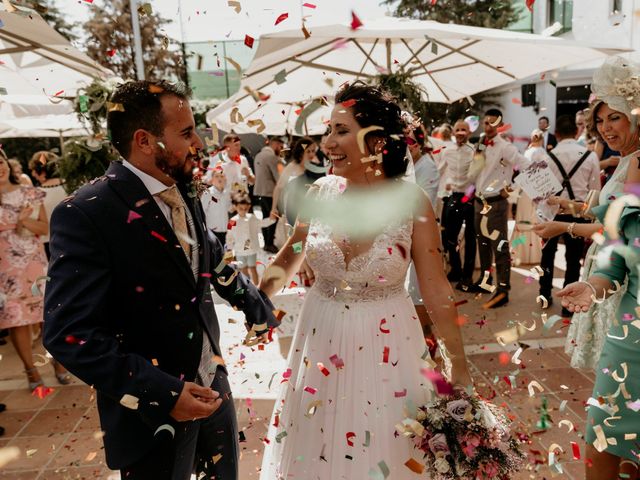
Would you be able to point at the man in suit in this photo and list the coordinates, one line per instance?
(267, 174)
(549, 139)
(128, 308)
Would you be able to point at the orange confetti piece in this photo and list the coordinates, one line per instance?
(412, 464)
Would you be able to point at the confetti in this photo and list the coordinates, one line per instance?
(35, 288)
(281, 18)
(280, 436)
(297, 247)
(534, 384)
(384, 322)
(568, 423)
(385, 355)
(355, 21)
(236, 5)
(529, 4)
(129, 401)
(337, 361)
(133, 216)
(414, 466)
(350, 435)
(442, 386)
(310, 390)
(576, 450)
(248, 41)
(323, 369)
(484, 229)
(309, 5)
(166, 426)
(400, 394)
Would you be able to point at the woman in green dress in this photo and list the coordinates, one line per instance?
(613, 422)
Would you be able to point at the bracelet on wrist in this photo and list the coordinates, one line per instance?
(570, 230)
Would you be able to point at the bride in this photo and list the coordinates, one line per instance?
(358, 352)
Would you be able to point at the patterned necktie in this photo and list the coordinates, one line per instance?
(173, 199)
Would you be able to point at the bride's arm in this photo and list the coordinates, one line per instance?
(287, 262)
(435, 289)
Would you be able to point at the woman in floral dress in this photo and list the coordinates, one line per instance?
(22, 264)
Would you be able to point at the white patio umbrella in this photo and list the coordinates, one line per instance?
(37, 60)
(450, 61)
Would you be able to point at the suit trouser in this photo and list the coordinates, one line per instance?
(488, 249)
(194, 446)
(454, 213)
(574, 250)
(269, 232)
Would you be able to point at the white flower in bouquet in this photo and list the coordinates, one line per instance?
(487, 417)
(442, 465)
(438, 444)
(457, 409)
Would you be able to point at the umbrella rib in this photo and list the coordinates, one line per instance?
(471, 57)
(11, 37)
(426, 71)
(291, 58)
(367, 55)
(329, 68)
(415, 55)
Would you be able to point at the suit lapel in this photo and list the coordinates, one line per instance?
(133, 192)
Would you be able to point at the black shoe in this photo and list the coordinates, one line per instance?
(500, 299)
(566, 313)
(271, 249)
(4, 332)
(3, 407)
(466, 287)
(453, 276)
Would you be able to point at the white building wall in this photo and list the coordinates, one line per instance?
(593, 23)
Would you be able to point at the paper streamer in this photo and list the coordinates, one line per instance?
(568, 423)
(361, 134)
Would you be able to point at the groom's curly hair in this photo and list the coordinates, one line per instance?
(374, 106)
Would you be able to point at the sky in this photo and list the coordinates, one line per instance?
(206, 20)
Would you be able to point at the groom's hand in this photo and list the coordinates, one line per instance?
(195, 402)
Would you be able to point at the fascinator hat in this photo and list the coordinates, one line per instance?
(617, 83)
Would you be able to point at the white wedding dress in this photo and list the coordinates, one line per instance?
(335, 422)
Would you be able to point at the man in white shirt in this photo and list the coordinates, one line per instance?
(457, 209)
(234, 165)
(578, 170)
(493, 183)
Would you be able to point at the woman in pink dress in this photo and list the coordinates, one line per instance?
(22, 264)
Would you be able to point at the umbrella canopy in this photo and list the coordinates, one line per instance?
(244, 115)
(37, 60)
(450, 61)
(43, 126)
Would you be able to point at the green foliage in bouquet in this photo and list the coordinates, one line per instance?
(84, 159)
(92, 103)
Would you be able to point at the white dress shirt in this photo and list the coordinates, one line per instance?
(242, 237)
(454, 164)
(233, 170)
(216, 205)
(586, 178)
(154, 186)
(427, 177)
(501, 159)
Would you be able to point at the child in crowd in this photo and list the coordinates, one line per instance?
(216, 203)
(242, 235)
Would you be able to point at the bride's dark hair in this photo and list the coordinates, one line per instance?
(373, 106)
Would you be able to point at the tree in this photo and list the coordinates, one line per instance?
(111, 42)
(480, 13)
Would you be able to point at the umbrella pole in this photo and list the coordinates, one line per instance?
(61, 143)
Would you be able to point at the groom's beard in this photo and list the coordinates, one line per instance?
(179, 173)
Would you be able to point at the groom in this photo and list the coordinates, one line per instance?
(128, 308)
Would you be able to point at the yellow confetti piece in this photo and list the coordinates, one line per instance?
(361, 134)
(8, 454)
(259, 123)
(235, 5)
(484, 229)
(235, 64)
(235, 116)
(42, 363)
(568, 423)
(312, 408)
(129, 401)
(534, 384)
(607, 421)
(31, 452)
(216, 458)
(516, 357)
(484, 283)
(617, 377)
(90, 456)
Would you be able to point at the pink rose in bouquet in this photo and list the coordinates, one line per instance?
(470, 443)
(438, 444)
(457, 409)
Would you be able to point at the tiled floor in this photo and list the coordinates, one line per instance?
(59, 435)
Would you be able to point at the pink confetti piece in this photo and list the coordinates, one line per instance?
(281, 18)
(133, 216)
(383, 322)
(309, 5)
(355, 21)
(439, 382)
(310, 390)
(401, 394)
(350, 435)
(337, 361)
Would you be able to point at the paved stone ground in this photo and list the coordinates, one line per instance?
(59, 435)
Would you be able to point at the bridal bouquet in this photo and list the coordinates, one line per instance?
(464, 437)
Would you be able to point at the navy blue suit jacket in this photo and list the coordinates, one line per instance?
(123, 311)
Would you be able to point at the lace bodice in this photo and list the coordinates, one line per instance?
(377, 273)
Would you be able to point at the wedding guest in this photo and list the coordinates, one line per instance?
(493, 184)
(23, 178)
(267, 173)
(303, 150)
(581, 133)
(549, 140)
(578, 171)
(129, 307)
(235, 165)
(457, 209)
(43, 167)
(216, 203)
(22, 264)
(242, 236)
